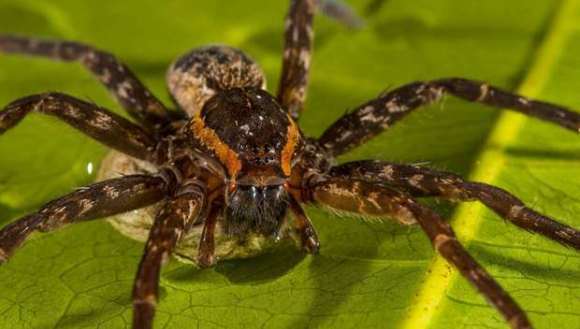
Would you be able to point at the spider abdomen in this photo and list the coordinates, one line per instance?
(203, 72)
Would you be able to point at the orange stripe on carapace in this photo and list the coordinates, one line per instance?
(210, 139)
(292, 138)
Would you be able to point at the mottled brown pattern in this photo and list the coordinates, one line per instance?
(206, 255)
(102, 125)
(86, 203)
(172, 221)
(421, 181)
(203, 72)
(298, 39)
(116, 76)
(305, 229)
(374, 116)
(371, 199)
(361, 198)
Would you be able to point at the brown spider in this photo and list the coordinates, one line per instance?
(217, 178)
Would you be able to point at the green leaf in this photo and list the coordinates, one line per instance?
(368, 274)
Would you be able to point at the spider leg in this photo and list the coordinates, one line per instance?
(206, 249)
(370, 199)
(372, 117)
(100, 124)
(298, 42)
(172, 221)
(298, 39)
(94, 201)
(121, 82)
(421, 181)
(310, 241)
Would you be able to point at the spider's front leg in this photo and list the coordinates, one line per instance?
(116, 76)
(421, 181)
(172, 222)
(100, 124)
(304, 228)
(95, 201)
(374, 200)
(206, 248)
(372, 117)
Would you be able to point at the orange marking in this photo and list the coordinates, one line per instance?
(210, 139)
(293, 136)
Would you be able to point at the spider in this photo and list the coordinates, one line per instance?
(227, 173)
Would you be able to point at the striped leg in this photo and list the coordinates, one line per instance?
(102, 125)
(304, 227)
(117, 77)
(373, 117)
(298, 38)
(206, 249)
(421, 181)
(95, 201)
(374, 200)
(171, 223)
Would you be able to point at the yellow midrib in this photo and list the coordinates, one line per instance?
(467, 218)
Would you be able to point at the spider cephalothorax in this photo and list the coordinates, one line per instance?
(225, 174)
(248, 132)
(255, 140)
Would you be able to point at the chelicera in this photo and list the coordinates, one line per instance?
(226, 173)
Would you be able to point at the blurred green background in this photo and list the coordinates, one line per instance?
(369, 274)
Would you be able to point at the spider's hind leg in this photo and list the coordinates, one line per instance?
(366, 198)
(420, 181)
(201, 73)
(121, 82)
(95, 201)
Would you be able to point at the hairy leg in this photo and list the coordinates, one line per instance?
(298, 39)
(94, 201)
(304, 227)
(116, 76)
(372, 117)
(421, 181)
(102, 125)
(206, 249)
(373, 200)
(171, 223)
